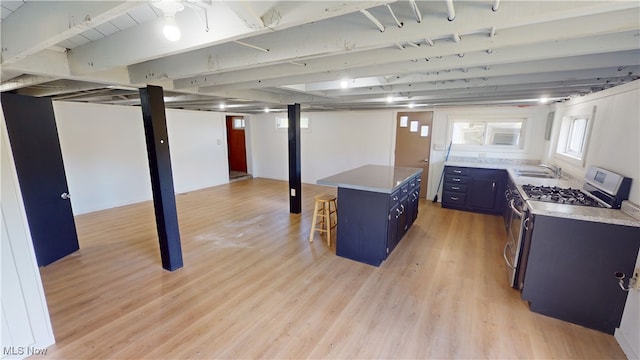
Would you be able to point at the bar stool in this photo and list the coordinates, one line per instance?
(328, 217)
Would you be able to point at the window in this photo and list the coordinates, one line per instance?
(283, 123)
(577, 135)
(574, 137)
(499, 133)
(238, 123)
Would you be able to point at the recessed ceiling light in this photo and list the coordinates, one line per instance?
(344, 84)
(222, 106)
(544, 100)
(266, 110)
(389, 99)
(411, 105)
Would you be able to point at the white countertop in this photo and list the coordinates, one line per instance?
(578, 212)
(376, 178)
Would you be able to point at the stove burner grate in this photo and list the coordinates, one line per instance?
(560, 195)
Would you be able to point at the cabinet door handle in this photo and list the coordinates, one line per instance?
(457, 171)
(454, 198)
(456, 179)
(493, 186)
(455, 188)
(395, 198)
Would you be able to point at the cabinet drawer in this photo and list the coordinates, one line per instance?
(456, 179)
(454, 198)
(455, 187)
(452, 170)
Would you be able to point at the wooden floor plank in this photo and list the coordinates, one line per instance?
(254, 287)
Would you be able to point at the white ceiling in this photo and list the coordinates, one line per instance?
(252, 55)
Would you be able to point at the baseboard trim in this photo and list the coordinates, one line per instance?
(625, 344)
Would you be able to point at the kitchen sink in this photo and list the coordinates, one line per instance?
(534, 173)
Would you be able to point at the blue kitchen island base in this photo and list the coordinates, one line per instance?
(376, 206)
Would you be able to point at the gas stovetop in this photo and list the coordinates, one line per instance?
(559, 195)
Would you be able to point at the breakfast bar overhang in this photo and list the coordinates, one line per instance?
(377, 204)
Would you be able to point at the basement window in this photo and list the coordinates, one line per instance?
(283, 123)
(574, 137)
(495, 133)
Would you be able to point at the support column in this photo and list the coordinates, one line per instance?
(295, 182)
(164, 200)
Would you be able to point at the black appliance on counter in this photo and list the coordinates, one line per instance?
(602, 188)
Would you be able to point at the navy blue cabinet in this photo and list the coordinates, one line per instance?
(474, 189)
(571, 266)
(371, 224)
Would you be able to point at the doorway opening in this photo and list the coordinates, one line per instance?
(236, 148)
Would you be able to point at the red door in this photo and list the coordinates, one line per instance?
(236, 144)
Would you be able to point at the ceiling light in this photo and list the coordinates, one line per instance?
(222, 106)
(266, 110)
(169, 8)
(344, 84)
(389, 99)
(170, 30)
(411, 105)
(544, 100)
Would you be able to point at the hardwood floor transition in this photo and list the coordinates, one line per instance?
(252, 286)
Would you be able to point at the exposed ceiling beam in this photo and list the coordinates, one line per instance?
(335, 37)
(145, 41)
(381, 61)
(37, 25)
(247, 13)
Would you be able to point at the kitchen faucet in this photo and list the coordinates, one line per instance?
(557, 172)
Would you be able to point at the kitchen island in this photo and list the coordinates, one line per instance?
(377, 204)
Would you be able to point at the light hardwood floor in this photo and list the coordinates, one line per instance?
(252, 286)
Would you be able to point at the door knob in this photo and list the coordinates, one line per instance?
(65, 196)
(426, 160)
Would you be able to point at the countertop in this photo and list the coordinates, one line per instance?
(376, 178)
(628, 217)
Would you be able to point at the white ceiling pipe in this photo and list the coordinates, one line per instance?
(451, 10)
(492, 32)
(456, 37)
(496, 5)
(373, 19)
(251, 46)
(429, 41)
(416, 11)
(398, 22)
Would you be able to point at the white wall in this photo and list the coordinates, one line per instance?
(198, 142)
(26, 326)
(105, 156)
(335, 142)
(533, 138)
(339, 141)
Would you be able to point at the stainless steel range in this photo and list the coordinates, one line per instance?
(561, 195)
(601, 188)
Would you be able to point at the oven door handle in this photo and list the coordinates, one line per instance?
(504, 255)
(513, 208)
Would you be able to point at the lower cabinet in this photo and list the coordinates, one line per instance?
(571, 266)
(371, 224)
(474, 189)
